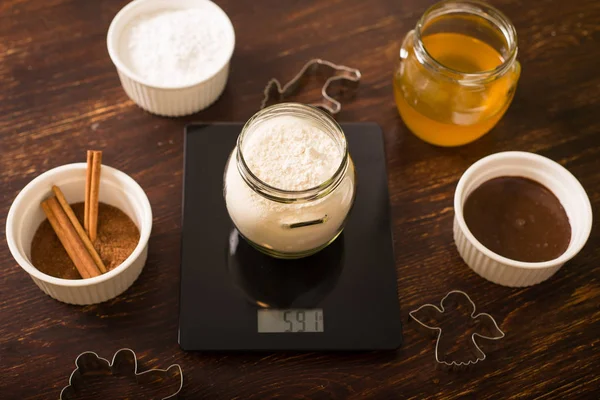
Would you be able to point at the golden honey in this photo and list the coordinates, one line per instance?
(451, 87)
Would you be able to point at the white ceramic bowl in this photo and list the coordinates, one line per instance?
(171, 101)
(552, 175)
(116, 189)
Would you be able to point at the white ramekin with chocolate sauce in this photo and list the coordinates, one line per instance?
(519, 217)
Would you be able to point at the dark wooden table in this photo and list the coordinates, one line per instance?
(60, 95)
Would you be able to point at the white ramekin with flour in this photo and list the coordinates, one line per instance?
(289, 183)
(172, 56)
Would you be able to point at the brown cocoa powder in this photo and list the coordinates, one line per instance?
(116, 239)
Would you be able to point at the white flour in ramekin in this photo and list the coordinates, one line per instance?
(174, 47)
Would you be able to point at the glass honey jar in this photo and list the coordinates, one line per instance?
(457, 72)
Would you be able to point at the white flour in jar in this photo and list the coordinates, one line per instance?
(288, 153)
(175, 47)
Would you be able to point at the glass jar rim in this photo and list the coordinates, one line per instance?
(294, 196)
(483, 10)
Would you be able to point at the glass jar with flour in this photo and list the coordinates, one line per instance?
(289, 183)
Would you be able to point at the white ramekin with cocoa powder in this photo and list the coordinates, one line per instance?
(116, 189)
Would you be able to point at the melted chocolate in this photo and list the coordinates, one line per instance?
(518, 218)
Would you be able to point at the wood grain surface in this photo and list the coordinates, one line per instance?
(60, 95)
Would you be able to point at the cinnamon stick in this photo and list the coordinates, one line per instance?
(78, 228)
(70, 240)
(88, 185)
(94, 191)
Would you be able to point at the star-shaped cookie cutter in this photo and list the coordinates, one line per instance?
(453, 365)
(336, 73)
(89, 363)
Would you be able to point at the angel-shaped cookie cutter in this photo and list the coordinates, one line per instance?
(124, 362)
(483, 317)
(335, 73)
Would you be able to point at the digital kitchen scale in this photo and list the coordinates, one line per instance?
(234, 298)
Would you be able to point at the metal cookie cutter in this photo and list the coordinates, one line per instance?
(485, 322)
(334, 73)
(124, 362)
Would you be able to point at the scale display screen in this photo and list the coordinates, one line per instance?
(290, 321)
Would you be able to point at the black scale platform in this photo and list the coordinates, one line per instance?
(234, 298)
